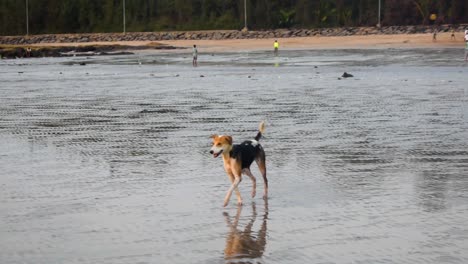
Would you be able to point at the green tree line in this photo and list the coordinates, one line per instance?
(80, 16)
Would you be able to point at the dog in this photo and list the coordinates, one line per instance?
(237, 160)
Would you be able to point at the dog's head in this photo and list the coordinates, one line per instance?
(220, 144)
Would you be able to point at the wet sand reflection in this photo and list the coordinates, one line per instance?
(244, 245)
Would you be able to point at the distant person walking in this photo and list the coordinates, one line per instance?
(452, 37)
(195, 56)
(466, 45)
(434, 35)
(275, 47)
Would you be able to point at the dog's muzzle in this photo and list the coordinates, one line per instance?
(215, 155)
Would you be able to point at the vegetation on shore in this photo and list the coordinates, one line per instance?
(81, 16)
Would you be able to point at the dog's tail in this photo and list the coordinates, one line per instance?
(261, 130)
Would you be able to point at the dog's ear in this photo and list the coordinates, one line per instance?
(213, 136)
(229, 139)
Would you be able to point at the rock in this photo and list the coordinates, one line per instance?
(202, 76)
(218, 36)
(346, 75)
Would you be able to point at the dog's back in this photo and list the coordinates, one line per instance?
(247, 152)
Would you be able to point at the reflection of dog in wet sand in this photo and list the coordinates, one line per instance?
(237, 160)
(244, 244)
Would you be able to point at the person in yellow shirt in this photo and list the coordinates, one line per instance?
(276, 47)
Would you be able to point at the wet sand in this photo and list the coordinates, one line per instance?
(108, 162)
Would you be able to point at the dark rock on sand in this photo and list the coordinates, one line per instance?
(346, 75)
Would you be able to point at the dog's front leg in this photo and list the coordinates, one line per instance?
(233, 187)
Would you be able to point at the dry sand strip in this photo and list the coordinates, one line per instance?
(349, 42)
(353, 42)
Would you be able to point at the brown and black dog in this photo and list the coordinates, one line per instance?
(237, 160)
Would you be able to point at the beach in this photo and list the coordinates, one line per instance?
(46, 47)
(328, 42)
(105, 159)
(369, 41)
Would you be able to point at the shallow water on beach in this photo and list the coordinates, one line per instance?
(109, 162)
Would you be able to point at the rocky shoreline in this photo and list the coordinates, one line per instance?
(21, 51)
(222, 34)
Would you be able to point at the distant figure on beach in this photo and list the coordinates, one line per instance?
(28, 52)
(195, 56)
(276, 47)
(452, 36)
(434, 35)
(466, 45)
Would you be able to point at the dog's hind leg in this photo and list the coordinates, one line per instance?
(254, 181)
(262, 167)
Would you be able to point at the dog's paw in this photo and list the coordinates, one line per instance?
(239, 203)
